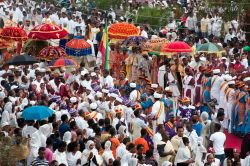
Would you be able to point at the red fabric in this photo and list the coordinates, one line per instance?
(178, 46)
(78, 44)
(13, 33)
(47, 31)
(233, 141)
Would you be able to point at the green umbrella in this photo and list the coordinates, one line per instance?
(210, 48)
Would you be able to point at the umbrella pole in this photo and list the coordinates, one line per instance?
(19, 47)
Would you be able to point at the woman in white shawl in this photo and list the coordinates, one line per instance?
(183, 156)
(73, 154)
(210, 160)
(90, 155)
(205, 133)
(107, 154)
(38, 139)
(67, 137)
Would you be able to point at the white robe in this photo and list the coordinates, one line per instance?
(215, 87)
(162, 117)
(161, 73)
(133, 97)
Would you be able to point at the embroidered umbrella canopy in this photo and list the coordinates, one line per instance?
(52, 52)
(153, 44)
(13, 33)
(177, 47)
(63, 62)
(78, 47)
(47, 32)
(122, 30)
(134, 41)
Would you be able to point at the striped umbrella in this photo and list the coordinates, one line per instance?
(210, 48)
(63, 62)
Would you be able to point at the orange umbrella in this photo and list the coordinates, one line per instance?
(122, 30)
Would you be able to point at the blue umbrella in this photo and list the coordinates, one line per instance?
(37, 113)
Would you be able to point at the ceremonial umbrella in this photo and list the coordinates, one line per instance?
(47, 32)
(63, 62)
(22, 60)
(14, 34)
(33, 47)
(210, 48)
(78, 47)
(134, 41)
(177, 47)
(153, 44)
(122, 30)
(52, 52)
(38, 112)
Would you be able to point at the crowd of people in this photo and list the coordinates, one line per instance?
(145, 110)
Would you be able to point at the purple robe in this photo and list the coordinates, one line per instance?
(186, 113)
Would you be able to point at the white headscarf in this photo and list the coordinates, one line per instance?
(107, 154)
(122, 129)
(166, 163)
(183, 153)
(67, 137)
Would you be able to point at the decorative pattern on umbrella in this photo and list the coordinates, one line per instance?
(152, 44)
(178, 46)
(210, 48)
(13, 33)
(122, 30)
(134, 41)
(78, 47)
(52, 52)
(47, 31)
(63, 62)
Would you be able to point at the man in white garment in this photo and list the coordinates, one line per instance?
(158, 111)
(135, 94)
(108, 81)
(192, 135)
(215, 85)
(161, 74)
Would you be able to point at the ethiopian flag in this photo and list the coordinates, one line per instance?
(104, 48)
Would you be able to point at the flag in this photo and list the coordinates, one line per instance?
(104, 49)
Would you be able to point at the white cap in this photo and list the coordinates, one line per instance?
(32, 102)
(88, 88)
(84, 72)
(13, 87)
(91, 97)
(105, 91)
(246, 79)
(98, 94)
(118, 99)
(93, 106)
(231, 83)
(42, 70)
(168, 89)
(203, 59)
(11, 67)
(113, 95)
(157, 95)
(154, 86)
(216, 71)
(132, 85)
(223, 58)
(73, 99)
(93, 74)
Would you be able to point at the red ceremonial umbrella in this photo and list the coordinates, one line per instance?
(63, 62)
(122, 30)
(15, 34)
(178, 46)
(47, 31)
(52, 52)
(78, 47)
